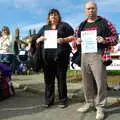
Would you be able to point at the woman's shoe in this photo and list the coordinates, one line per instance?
(63, 105)
(47, 105)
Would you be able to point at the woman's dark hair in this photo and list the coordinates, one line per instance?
(52, 11)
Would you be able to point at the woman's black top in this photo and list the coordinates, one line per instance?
(61, 53)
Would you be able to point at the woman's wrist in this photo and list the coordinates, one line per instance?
(63, 40)
(68, 39)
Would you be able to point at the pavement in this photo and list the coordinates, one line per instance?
(29, 98)
(35, 84)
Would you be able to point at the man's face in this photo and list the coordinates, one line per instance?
(90, 10)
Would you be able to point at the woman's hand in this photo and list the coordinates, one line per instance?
(66, 39)
(42, 38)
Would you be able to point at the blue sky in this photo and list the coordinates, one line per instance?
(32, 14)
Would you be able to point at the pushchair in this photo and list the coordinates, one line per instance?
(25, 65)
(6, 87)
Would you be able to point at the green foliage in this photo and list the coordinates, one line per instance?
(74, 76)
(113, 76)
(73, 72)
(78, 72)
(113, 72)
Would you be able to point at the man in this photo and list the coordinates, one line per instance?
(93, 64)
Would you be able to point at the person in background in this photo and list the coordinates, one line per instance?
(93, 65)
(0, 34)
(6, 51)
(56, 60)
(16, 41)
(35, 50)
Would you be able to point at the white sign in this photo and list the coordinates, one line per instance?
(51, 39)
(116, 50)
(114, 66)
(89, 42)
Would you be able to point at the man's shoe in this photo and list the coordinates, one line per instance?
(99, 114)
(85, 108)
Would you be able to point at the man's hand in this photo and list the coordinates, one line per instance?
(100, 39)
(78, 41)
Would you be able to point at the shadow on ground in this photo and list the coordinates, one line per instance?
(23, 103)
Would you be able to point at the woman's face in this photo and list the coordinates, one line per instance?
(4, 32)
(54, 18)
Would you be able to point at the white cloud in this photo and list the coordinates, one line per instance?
(108, 6)
(71, 10)
(107, 2)
(24, 28)
(74, 19)
(26, 3)
(36, 26)
(66, 4)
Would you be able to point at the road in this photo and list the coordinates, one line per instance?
(28, 106)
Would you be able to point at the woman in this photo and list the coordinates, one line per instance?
(56, 60)
(5, 45)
